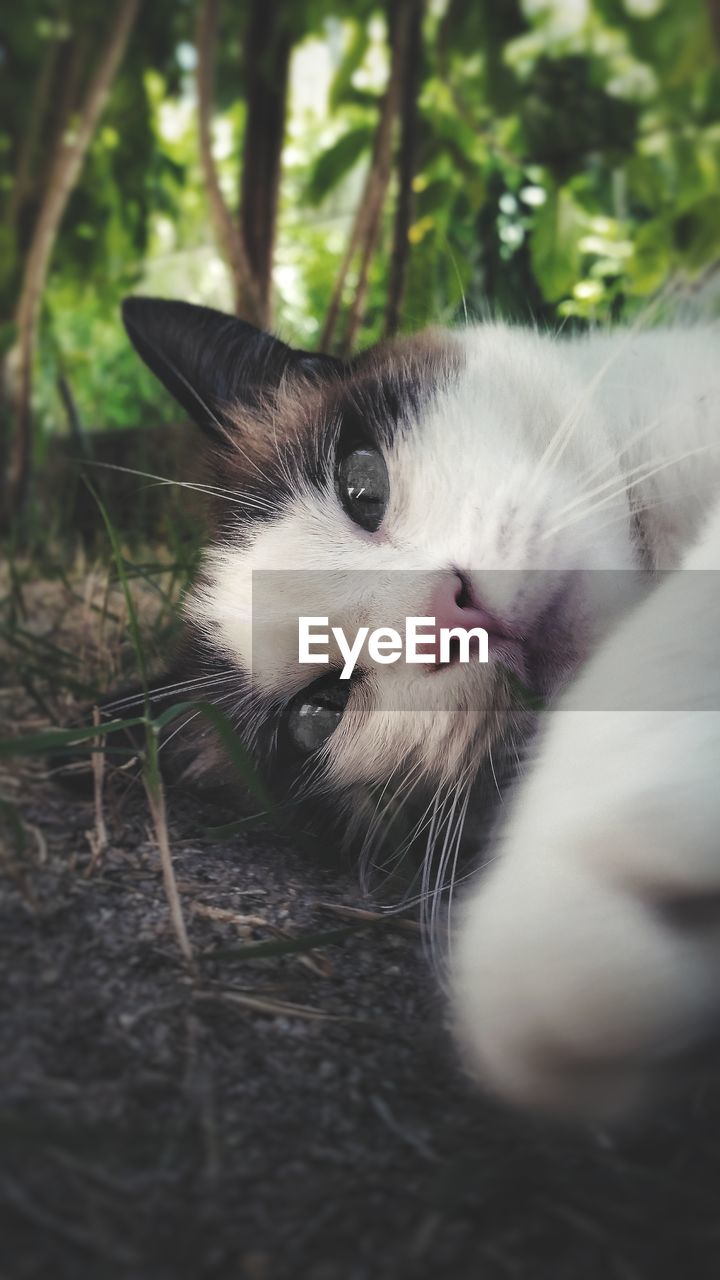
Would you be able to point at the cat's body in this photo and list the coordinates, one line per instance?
(515, 481)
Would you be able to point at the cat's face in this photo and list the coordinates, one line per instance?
(442, 475)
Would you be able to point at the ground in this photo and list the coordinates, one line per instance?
(294, 1114)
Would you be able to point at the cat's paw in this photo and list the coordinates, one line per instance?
(589, 953)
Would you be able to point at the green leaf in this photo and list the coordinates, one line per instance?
(652, 256)
(122, 575)
(351, 62)
(557, 228)
(293, 946)
(696, 233)
(47, 740)
(333, 164)
(238, 753)
(232, 828)
(8, 334)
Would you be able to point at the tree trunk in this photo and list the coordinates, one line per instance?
(714, 15)
(356, 310)
(366, 227)
(228, 232)
(64, 175)
(406, 172)
(267, 64)
(68, 91)
(36, 121)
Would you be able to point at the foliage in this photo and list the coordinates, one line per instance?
(568, 166)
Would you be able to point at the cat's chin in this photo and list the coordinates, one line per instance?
(550, 671)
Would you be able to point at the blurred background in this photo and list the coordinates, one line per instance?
(208, 1067)
(337, 171)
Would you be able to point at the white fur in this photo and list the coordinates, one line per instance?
(544, 455)
(569, 983)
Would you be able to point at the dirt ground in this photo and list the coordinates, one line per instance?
(295, 1115)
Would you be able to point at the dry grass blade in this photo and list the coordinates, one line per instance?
(156, 801)
(225, 916)
(97, 837)
(319, 965)
(372, 917)
(151, 772)
(40, 842)
(278, 1008)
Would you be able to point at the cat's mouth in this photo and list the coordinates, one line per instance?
(454, 659)
(542, 659)
(505, 651)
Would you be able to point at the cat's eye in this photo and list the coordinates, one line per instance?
(316, 713)
(363, 486)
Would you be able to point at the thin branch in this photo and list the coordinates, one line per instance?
(406, 172)
(97, 837)
(228, 232)
(70, 82)
(267, 65)
(365, 230)
(65, 172)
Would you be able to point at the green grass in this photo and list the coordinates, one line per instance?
(61, 682)
(139, 593)
(49, 671)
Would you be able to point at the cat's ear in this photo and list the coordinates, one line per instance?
(210, 361)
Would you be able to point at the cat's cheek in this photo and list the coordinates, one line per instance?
(569, 993)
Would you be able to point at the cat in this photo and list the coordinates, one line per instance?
(528, 483)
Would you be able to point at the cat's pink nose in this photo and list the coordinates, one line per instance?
(452, 604)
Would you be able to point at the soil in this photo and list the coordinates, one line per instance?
(289, 1115)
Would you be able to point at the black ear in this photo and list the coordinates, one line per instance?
(208, 360)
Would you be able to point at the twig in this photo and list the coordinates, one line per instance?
(361, 913)
(406, 163)
(156, 800)
(319, 965)
(278, 1008)
(97, 838)
(40, 841)
(366, 226)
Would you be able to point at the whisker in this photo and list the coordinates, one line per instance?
(228, 495)
(648, 506)
(564, 432)
(370, 845)
(655, 470)
(445, 824)
(222, 428)
(184, 724)
(164, 358)
(494, 775)
(449, 852)
(453, 875)
(181, 686)
(627, 474)
(627, 444)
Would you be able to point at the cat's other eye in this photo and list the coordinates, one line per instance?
(316, 713)
(363, 486)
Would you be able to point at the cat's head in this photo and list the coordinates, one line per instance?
(446, 475)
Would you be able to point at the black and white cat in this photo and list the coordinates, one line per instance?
(499, 469)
